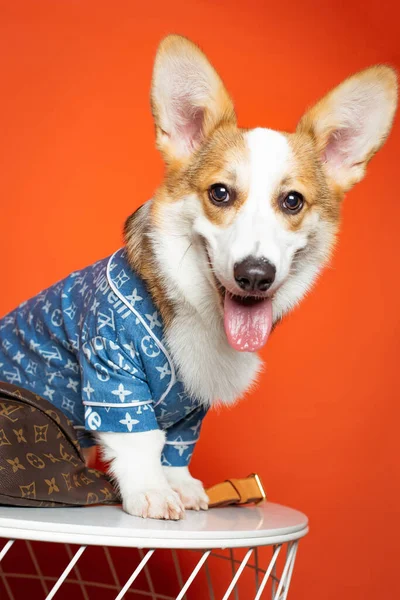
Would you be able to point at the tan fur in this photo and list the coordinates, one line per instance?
(219, 160)
(223, 159)
(141, 258)
(307, 177)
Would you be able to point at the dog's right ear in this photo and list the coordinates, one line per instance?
(188, 99)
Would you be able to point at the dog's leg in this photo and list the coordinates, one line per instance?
(135, 462)
(190, 490)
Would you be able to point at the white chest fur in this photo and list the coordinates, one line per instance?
(208, 367)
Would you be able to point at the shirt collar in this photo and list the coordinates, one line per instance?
(132, 290)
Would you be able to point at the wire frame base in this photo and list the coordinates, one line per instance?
(264, 575)
(268, 580)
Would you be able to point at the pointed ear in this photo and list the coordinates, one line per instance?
(188, 98)
(352, 122)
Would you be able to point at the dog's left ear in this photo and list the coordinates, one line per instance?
(188, 98)
(352, 122)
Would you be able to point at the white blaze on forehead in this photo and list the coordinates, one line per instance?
(258, 230)
(270, 159)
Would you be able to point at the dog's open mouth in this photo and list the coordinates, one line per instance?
(247, 319)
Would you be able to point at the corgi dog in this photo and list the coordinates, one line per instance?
(137, 347)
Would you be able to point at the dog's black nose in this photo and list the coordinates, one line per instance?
(254, 274)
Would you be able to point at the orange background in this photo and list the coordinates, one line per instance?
(77, 156)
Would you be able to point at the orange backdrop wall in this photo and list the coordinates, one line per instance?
(77, 156)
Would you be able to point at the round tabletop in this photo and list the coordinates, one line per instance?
(231, 527)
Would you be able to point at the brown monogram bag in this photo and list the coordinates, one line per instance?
(41, 462)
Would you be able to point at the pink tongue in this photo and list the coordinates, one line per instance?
(247, 327)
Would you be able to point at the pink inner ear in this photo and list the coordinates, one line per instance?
(339, 150)
(188, 123)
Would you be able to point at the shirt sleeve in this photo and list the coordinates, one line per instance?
(181, 439)
(115, 393)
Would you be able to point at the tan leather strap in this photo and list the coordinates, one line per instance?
(236, 491)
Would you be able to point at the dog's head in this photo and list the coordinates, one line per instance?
(260, 208)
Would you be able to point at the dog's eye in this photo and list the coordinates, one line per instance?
(292, 202)
(219, 194)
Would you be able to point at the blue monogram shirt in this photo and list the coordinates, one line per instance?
(92, 345)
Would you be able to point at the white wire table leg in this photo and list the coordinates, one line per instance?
(238, 574)
(67, 571)
(3, 576)
(232, 557)
(77, 572)
(291, 560)
(6, 549)
(148, 577)
(268, 572)
(273, 587)
(283, 582)
(135, 573)
(193, 575)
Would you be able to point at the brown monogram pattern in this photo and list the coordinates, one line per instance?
(41, 462)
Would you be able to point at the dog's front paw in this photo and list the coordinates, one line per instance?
(192, 495)
(161, 503)
(190, 490)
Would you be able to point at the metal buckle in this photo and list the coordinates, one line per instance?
(260, 487)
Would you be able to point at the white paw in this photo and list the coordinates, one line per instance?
(190, 490)
(161, 503)
(192, 496)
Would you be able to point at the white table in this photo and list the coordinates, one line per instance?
(235, 527)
